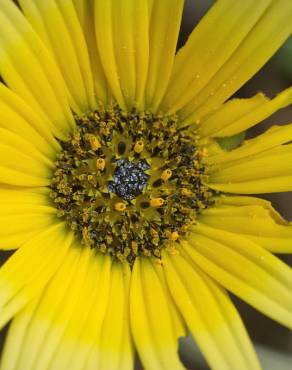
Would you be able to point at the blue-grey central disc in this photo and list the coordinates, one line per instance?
(129, 178)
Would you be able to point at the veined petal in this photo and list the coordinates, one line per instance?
(246, 269)
(238, 115)
(210, 315)
(123, 44)
(29, 327)
(70, 50)
(23, 197)
(164, 30)
(23, 215)
(113, 348)
(86, 13)
(54, 313)
(271, 30)
(16, 230)
(271, 185)
(13, 160)
(29, 69)
(86, 346)
(27, 272)
(273, 137)
(151, 322)
(253, 218)
(207, 50)
(71, 317)
(26, 122)
(26, 147)
(266, 172)
(179, 325)
(15, 177)
(80, 289)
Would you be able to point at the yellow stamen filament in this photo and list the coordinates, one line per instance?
(166, 174)
(156, 202)
(139, 147)
(174, 236)
(120, 207)
(100, 164)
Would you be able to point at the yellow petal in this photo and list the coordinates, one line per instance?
(26, 273)
(164, 29)
(23, 215)
(260, 43)
(24, 146)
(55, 312)
(113, 349)
(177, 320)
(254, 218)
(246, 269)
(78, 319)
(210, 315)
(151, 322)
(208, 50)
(273, 137)
(85, 12)
(14, 160)
(26, 122)
(62, 319)
(70, 50)
(29, 69)
(28, 329)
(271, 185)
(15, 177)
(238, 115)
(122, 39)
(266, 172)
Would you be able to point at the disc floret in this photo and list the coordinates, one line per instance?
(129, 183)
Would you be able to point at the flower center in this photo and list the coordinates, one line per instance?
(129, 183)
(129, 178)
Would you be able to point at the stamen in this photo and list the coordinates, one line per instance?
(174, 236)
(94, 142)
(166, 174)
(120, 207)
(156, 202)
(129, 183)
(100, 164)
(139, 147)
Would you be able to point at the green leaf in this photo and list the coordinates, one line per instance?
(231, 142)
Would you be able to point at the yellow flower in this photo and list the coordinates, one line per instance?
(124, 210)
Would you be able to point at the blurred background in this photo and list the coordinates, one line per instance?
(273, 342)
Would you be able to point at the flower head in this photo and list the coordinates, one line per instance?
(129, 218)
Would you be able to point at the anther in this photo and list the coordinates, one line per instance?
(93, 141)
(139, 147)
(166, 174)
(120, 207)
(174, 236)
(186, 192)
(156, 202)
(100, 164)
